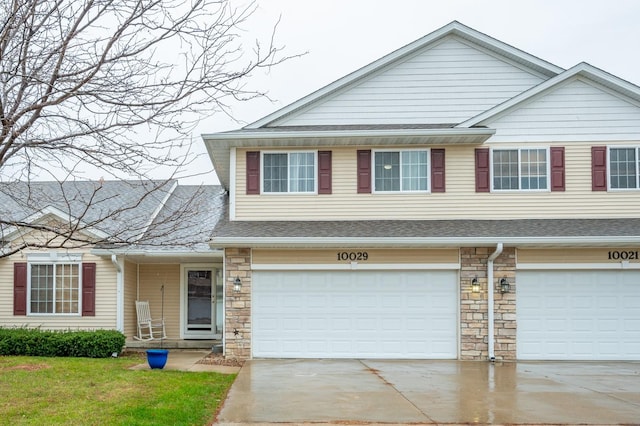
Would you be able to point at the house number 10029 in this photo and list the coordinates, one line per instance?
(623, 255)
(353, 255)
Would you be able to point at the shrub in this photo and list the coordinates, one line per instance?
(36, 342)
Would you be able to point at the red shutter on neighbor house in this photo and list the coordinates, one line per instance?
(19, 289)
(324, 172)
(482, 170)
(364, 171)
(557, 168)
(88, 289)
(253, 172)
(598, 168)
(437, 170)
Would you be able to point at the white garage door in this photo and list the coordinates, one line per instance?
(354, 314)
(578, 315)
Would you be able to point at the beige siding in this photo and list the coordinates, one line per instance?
(448, 82)
(105, 317)
(152, 277)
(459, 202)
(587, 256)
(130, 294)
(373, 256)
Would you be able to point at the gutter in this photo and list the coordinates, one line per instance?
(119, 293)
(490, 303)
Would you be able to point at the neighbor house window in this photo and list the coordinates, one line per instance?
(520, 169)
(289, 172)
(401, 171)
(624, 168)
(54, 288)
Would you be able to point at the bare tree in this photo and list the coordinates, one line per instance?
(117, 85)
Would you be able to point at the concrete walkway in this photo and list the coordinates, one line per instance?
(187, 360)
(433, 392)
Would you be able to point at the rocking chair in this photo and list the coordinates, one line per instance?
(148, 328)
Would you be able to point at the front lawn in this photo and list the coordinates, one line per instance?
(83, 391)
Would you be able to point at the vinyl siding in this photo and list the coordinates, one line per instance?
(448, 82)
(105, 317)
(575, 111)
(152, 277)
(460, 201)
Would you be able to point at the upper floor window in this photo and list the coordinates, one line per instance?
(624, 168)
(401, 171)
(54, 288)
(289, 172)
(520, 169)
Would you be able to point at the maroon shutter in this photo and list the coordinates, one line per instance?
(557, 168)
(437, 170)
(482, 170)
(598, 168)
(324, 172)
(88, 289)
(364, 171)
(19, 289)
(253, 172)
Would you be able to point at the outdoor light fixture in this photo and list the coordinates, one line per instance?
(237, 285)
(504, 286)
(475, 285)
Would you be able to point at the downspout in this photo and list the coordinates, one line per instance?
(490, 303)
(119, 294)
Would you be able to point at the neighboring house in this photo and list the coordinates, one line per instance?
(136, 237)
(458, 198)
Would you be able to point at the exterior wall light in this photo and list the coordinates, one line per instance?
(475, 285)
(237, 285)
(504, 286)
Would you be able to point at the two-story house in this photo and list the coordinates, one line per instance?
(458, 198)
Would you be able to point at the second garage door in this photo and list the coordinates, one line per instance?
(355, 314)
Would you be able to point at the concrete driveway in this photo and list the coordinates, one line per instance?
(454, 392)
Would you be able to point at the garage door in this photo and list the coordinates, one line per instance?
(578, 315)
(354, 314)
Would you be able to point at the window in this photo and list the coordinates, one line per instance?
(401, 171)
(624, 168)
(520, 169)
(54, 288)
(289, 172)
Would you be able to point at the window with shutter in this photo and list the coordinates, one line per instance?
(437, 170)
(364, 171)
(324, 172)
(599, 168)
(557, 168)
(483, 175)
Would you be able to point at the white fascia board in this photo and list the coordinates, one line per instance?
(453, 28)
(155, 253)
(609, 81)
(586, 241)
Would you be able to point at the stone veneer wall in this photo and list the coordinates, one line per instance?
(238, 305)
(473, 306)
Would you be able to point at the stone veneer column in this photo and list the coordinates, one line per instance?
(473, 306)
(237, 330)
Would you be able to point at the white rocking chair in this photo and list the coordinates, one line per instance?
(148, 328)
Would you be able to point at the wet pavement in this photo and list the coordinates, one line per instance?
(429, 392)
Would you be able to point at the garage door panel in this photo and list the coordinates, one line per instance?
(373, 314)
(578, 315)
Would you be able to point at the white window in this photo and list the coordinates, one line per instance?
(522, 169)
(623, 168)
(54, 284)
(289, 172)
(401, 171)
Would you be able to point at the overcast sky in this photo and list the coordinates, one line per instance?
(341, 36)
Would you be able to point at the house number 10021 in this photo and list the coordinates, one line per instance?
(623, 255)
(353, 255)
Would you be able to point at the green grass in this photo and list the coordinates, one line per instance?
(83, 391)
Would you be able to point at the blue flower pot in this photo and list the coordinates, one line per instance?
(157, 358)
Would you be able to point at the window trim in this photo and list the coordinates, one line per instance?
(54, 258)
(315, 172)
(400, 151)
(608, 165)
(519, 150)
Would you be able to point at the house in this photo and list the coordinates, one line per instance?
(139, 240)
(456, 199)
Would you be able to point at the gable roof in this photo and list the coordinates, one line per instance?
(455, 28)
(620, 87)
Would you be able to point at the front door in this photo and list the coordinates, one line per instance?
(200, 303)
